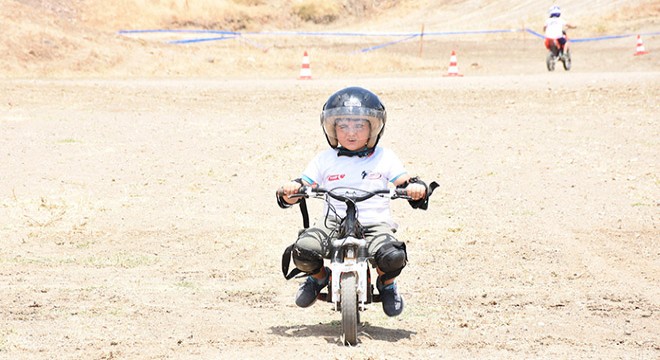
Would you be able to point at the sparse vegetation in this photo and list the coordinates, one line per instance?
(317, 11)
(249, 2)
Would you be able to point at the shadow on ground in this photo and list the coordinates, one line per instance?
(332, 331)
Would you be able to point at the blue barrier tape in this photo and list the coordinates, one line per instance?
(443, 33)
(321, 33)
(381, 34)
(189, 41)
(474, 32)
(599, 38)
(376, 47)
(407, 36)
(178, 31)
(534, 33)
(609, 37)
(254, 44)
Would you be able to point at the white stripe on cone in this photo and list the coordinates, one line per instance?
(305, 70)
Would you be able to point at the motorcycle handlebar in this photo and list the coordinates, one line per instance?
(308, 191)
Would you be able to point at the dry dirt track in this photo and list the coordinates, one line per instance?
(138, 218)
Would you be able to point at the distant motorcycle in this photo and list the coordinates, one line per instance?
(555, 54)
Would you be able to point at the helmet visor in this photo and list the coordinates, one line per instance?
(352, 119)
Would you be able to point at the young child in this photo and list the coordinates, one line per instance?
(353, 120)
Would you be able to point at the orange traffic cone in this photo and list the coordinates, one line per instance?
(305, 70)
(640, 47)
(453, 65)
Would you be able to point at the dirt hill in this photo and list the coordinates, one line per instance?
(45, 38)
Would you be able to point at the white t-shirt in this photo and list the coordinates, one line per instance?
(374, 172)
(554, 27)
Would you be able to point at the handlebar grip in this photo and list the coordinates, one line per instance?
(302, 191)
(401, 192)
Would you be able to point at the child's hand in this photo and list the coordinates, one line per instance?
(290, 188)
(416, 191)
(284, 193)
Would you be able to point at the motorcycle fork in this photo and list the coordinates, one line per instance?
(351, 258)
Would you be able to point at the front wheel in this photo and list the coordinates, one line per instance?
(567, 60)
(550, 61)
(349, 308)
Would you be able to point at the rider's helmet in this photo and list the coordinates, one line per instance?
(354, 103)
(554, 11)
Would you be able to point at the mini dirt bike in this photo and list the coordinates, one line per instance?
(350, 288)
(555, 54)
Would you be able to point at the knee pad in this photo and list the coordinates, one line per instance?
(391, 258)
(307, 261)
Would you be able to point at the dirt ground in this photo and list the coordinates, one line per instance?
(138, 217)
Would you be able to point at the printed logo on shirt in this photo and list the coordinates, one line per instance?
(371, 175)
(336, 177)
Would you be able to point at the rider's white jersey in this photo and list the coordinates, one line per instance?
(554, 28)
(373, 172)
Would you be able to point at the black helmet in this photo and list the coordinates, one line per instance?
(353, 103)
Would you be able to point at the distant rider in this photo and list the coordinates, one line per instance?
(555, 29)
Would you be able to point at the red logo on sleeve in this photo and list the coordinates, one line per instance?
(336, 177)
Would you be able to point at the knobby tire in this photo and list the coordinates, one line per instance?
(349, 308)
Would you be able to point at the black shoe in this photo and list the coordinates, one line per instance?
(389, 296)
(310, 289)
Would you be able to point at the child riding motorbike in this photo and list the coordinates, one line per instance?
(353, 120)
